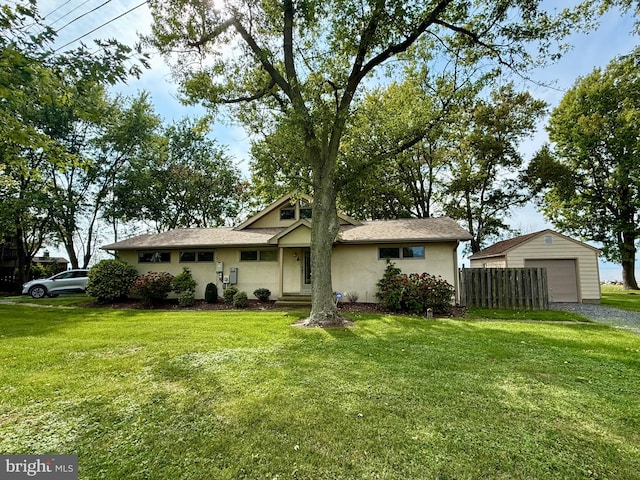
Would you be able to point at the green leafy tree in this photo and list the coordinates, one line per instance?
(185, 179)
(589, 177)
(308, 62)
(484, 183)
(36, 85)
(103, 135)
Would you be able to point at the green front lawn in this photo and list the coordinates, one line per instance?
(233, 395)
(616, 296)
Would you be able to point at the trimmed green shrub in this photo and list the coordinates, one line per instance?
(262, 294)
(153, 287)
(240, 300)
(227, 295)
(414, 293)
(186, 299)
(110, 280)
(185, 286)
(184, 282)
(211, 293)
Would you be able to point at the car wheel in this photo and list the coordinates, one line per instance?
(37, 291)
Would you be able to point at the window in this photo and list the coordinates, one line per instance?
(196, 256)
(258, 255)
(305, 210)
(412, 252)
(385, 253)
(288, 213)
(187, 256)
(389, 252)
(154, 257)
(205, 257)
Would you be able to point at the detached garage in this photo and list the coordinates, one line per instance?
(572, 266)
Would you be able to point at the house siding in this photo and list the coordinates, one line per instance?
(251, 275)
(562, 248)
(494, 262)
(357, 268)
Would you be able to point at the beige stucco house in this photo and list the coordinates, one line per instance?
(272, 250)
(573, 274)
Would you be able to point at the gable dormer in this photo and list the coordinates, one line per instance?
(286, 211)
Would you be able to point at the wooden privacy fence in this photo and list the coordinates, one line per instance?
(524, 288)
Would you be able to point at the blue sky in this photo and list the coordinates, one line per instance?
(589, 51)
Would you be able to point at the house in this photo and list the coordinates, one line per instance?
(52, 264)
(572, 266)
(272, 250)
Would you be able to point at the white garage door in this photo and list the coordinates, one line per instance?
(562, 278)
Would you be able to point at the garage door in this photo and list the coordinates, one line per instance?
(561, 277)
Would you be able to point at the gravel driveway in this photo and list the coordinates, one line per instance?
(622, 319)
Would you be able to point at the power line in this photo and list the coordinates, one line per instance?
(84, 15)
(56, 9)
(68, 13)
(99, 27)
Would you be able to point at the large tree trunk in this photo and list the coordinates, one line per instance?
(324, 229)
(628, 250)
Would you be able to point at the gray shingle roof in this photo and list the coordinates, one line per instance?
(382, 231)
(409, 229)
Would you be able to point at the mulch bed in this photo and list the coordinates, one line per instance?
(172, 304)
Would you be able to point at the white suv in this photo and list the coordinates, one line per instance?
(71, 281)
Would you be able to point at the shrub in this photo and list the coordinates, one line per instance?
(227, 295)
(153, 287)
(211, 293)
(184, 281)
(186, 299)
(390, 288)
(185, 286)
(352, 297)
(262, 294)
(110, 280)
(414, 293)
(240, 300)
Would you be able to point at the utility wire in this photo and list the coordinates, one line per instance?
(83, 15)
(68, 13)
(56, 9)
(99, 27)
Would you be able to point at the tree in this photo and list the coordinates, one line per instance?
(33, 83)
(184, 179)
(307, 61)
(396, 150)
(589, 177)
(484, 181)
(103, 135)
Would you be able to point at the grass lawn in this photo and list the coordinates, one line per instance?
(234, 395)
(616, 296)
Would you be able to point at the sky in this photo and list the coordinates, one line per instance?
(596, 49)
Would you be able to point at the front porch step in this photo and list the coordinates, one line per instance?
(294, 300)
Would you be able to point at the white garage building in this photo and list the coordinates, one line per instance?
(572, 266)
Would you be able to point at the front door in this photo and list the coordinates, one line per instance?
(306, 269)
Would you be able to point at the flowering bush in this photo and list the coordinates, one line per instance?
(414, 293)
(153, 287)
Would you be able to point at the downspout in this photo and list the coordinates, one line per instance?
(456, 281)
(281, 264)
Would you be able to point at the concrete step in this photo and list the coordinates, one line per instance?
(294, 300)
